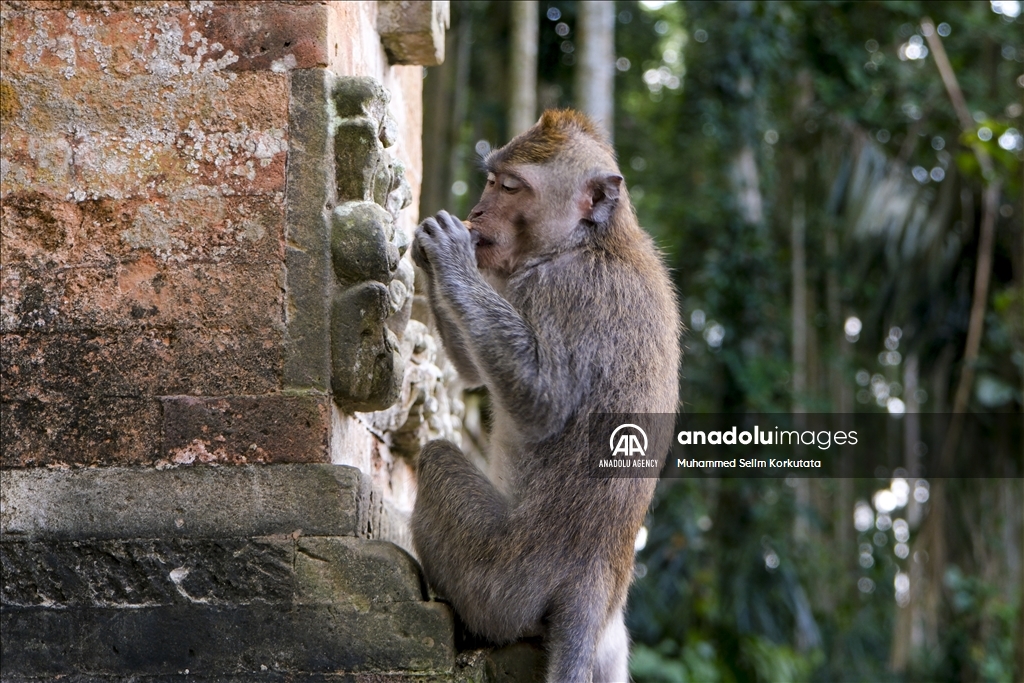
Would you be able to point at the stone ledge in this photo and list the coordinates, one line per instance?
(186, 502)
(132, 574)
(228, 640)
(459, 676)
(413, 32)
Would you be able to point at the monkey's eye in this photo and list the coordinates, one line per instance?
(490, 180)
(511, 185)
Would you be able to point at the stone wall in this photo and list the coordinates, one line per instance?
(214, 373)
(183, 197)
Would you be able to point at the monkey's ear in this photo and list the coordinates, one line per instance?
(603, 195)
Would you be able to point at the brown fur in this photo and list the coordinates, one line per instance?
(581, 320)
(549, 137)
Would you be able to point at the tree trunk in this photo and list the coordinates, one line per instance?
(444, 112)
(437, 99)
(935, 528)
(746, 186)
(595, 70)
(798, 273)
(522, 110)
(912, 434)
(986, 244)
(798, 264)
(841, 397)
(903, 636)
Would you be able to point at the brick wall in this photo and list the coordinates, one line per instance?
(166, 276)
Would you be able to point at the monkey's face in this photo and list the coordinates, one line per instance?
(497, 220)
(519, 215)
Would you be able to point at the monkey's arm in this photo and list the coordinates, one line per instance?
(529, 377)
(451, 336)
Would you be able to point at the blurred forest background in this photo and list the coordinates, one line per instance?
(837, 188)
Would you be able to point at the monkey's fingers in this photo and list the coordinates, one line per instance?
(447, 220)
(429, 226)
(419, 254)
(455, 234)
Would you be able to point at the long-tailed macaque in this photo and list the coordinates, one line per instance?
(558, 302)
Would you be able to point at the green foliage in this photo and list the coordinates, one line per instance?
(977, 606)
(728, 590)
(695, 662)
(822, 82)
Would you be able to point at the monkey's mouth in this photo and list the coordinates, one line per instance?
(481, 240)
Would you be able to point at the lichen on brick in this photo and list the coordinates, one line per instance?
(135, 102)
(8, 101)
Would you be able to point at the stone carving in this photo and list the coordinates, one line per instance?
(363, 243)
(366, 366)
(371, 303)
(383, 364)
(429, 405)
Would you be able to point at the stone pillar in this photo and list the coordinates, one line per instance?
(212, 382)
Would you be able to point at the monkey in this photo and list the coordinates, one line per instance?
(554, 298)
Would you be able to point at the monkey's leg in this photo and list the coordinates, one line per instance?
(460, 529)
(574, 626)
(612, 659)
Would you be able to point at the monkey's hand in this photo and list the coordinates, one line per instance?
(444, 248)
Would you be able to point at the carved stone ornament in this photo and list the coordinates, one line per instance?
(384, 365)
(371, 302)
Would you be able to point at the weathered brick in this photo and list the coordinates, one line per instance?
(270, 35)
(473, 675)
(14, 7)
(127, 298)
(122, 38)
(253, 35)
(105, 137)
(246, 429)
(141, 362)
(56, 430)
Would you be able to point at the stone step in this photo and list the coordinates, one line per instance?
(145, 573)
(247, 573)
(193, 502)
(228, 640)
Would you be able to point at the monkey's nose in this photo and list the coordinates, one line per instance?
(474, 214)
